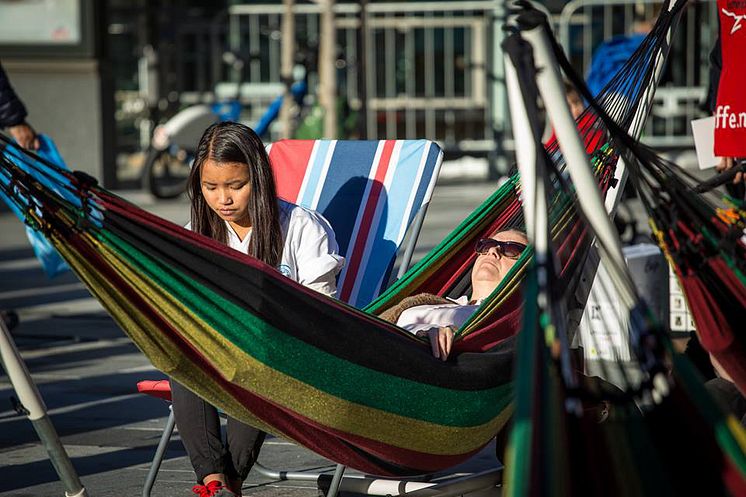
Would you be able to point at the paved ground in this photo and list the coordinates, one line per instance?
(86, 371)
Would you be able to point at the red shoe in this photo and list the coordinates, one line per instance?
(212, 489)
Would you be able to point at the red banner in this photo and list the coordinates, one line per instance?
(730, 112)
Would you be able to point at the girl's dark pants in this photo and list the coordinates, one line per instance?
(199, 427)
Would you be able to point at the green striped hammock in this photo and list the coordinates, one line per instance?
(281, 357)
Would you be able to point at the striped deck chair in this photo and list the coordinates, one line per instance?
(371, 192)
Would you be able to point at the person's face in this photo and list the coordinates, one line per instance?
(575, 103)
(491, 267)
(226, 188)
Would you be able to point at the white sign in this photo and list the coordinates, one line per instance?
(40, 22)
(703, 131)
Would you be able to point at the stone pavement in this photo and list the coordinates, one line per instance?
(86, 371)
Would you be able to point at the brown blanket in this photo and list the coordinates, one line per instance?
(392, 313)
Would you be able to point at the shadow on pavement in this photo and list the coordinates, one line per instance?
(20, 476)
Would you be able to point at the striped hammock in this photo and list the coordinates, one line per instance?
(281, 357)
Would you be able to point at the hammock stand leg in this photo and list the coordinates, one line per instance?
(336, 480)
(155, 466)
(365, 485)
(320, 478)
(33, 407)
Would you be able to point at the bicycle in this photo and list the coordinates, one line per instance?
(171, 152)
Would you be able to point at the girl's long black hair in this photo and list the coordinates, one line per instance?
(234, 142)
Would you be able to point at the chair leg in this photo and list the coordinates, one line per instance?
(159, 453)
(336, 480)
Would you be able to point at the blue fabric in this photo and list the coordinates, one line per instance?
(227, 111)
(50, 259)
(345, 184)
(609, 58)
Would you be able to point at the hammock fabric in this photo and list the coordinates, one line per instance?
(681, 443)
(278, 355)
(267, 351)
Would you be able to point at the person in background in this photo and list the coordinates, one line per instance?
(13, 115)
(726, 99)
(587, 124)
(13, 120)
(611, 55)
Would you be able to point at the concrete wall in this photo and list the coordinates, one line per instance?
(64, 100)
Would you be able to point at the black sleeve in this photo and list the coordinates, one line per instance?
(12, 111)
(716, 66)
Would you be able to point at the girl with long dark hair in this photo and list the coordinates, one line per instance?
(234, 201)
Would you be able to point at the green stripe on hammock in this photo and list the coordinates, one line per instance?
(310, 365)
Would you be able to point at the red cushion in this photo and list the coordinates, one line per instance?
(155, 388)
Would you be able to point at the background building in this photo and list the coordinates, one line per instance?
(98, 76)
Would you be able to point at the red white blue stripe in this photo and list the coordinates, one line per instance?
(370, 192)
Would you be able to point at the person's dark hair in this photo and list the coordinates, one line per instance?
(234, 142)
(570, 88)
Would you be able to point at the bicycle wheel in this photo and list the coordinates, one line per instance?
(166, 171)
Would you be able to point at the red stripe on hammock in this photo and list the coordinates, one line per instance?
(733, 478)
(730, 280)
(714, 332)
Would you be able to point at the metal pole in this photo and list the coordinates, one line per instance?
(525, 155)
(336, 480)
(589, 197)
(362, 62)
(498, 165)
(288, 51)
(36, 411)
(327, 69)
(160, 451)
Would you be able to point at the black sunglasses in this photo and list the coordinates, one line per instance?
(512, 250)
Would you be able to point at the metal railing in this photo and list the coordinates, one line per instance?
(436, 84)
(430, 67)
(426, 64)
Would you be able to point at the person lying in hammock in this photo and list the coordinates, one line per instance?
(234, 201)
(438, 318)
